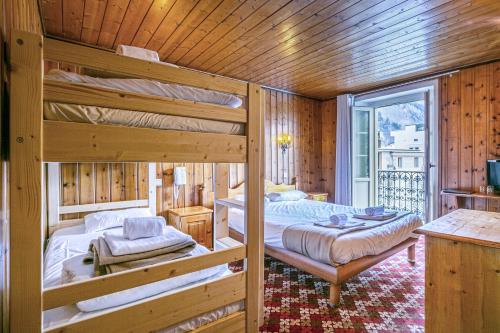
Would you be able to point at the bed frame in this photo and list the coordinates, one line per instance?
(34, 141)
(335, 275)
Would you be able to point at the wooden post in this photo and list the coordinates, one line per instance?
(254, 208)
(221, 192)
(411, 254)
(26, 182)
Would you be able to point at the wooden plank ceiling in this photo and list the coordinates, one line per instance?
(316, 48)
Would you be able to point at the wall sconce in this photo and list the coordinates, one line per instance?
(284, 141)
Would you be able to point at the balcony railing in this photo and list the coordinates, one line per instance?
(402, 190)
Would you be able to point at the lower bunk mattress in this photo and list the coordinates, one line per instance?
(347, 247)
(69, 243)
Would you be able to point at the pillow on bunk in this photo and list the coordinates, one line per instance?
(241, 197)
(287, 196)
(280, 188)
(112, 218)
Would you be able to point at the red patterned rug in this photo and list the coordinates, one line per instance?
(387, 298)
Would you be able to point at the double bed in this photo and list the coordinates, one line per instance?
(334, 260)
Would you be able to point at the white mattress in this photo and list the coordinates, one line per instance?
(348, 247)
(149, 87)
(72, 241)
(110, 116)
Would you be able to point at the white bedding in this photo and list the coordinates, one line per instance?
(149, 87)
(348, 247)
(109, 116)
(70, 242)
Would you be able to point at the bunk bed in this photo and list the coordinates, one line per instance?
(35, 141)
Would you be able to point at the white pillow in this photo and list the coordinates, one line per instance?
(241, 197)
(112, 218)
(286, 196)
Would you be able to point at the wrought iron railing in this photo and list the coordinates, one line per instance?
(402, 190)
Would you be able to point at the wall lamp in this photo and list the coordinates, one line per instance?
(284, 141)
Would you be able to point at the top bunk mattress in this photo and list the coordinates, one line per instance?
(110, 116)
(149, 87)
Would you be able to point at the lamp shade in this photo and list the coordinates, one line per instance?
(180, 175)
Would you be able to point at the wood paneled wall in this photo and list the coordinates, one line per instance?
(328, 148)
(297, 116)
(300, 118)
(470, 131)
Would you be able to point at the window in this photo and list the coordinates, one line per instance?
(400, 162)
(415, 162)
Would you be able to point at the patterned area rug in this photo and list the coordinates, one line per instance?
(387, 298)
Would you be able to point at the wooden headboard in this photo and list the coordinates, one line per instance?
(55, 209)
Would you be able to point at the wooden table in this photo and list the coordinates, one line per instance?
(462, 276)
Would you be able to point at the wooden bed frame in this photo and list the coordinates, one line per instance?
(335, 275)
(34, 141)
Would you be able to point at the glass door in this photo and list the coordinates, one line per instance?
(363, 143)
(394, 151)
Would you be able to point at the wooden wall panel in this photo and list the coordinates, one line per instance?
(299, 117)
(328, 131)
(470, 111)
(285, 113)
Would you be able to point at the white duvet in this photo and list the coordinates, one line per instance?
(348, 247)
(70, 242)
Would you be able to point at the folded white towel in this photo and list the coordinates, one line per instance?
(137, 52)
(338, 218)
(143, 227)
(341, 225)
(120, 245)
(374, 210)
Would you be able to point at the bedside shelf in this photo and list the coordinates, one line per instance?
(472, 195)
(465, 200)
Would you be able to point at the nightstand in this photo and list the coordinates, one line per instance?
(195, 221)
(318, 196)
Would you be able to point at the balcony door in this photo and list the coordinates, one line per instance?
(394, 151)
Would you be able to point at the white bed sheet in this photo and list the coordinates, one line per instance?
(72, 241)
(279, 215)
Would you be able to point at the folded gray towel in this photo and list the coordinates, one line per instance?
(382, 217)
(342, 225)
(104, 262)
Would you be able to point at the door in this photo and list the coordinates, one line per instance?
(395, 151)
(362, 155)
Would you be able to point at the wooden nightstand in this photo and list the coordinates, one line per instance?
(318, 196)
(195, 221)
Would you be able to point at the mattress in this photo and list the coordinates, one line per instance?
(73, 241)
(348, 247)
(110, 116)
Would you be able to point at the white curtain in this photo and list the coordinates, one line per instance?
(343, 166)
